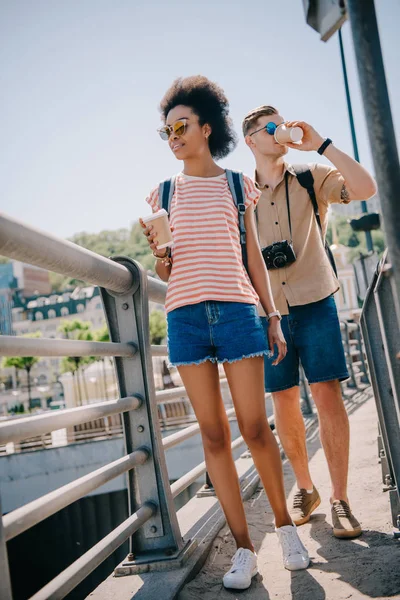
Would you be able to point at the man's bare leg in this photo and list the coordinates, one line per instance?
(292, 434)
(334, 433)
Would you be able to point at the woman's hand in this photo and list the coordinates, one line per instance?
(151, 235)
(276, 337)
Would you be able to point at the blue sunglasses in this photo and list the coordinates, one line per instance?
(269, 128)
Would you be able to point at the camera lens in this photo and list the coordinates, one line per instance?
(279, 260)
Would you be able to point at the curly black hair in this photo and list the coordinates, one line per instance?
(208, 101)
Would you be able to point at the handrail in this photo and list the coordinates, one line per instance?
(180, 391)
(21, 346)
(188, 432)
(21, 519)
(27, 244)
(66, 581)
(159, 350)
(39, 424)
(183, 482)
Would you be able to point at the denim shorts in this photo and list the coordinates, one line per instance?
(313, 337)
(215, 331)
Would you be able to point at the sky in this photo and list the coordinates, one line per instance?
(81, 82)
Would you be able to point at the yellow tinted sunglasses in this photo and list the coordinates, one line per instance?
(177, 128)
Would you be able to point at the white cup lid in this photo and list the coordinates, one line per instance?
(160, 213)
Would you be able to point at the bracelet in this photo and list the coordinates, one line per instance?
(166, 259)
(276, 313)
(324, 146)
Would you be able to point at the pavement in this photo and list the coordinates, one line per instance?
(367, 567)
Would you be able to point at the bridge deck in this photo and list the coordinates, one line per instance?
(341, 569)
(363, 568)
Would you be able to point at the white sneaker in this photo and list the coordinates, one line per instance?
(244, 567)
(295, 555)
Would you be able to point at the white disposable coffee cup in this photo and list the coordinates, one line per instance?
(284, 134)
(160, 223)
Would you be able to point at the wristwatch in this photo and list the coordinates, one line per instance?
(276, 313)
(324, 146)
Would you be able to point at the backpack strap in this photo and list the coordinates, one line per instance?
(165, 193)
(306, 180)
(236, 186)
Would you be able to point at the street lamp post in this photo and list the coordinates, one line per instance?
(364, 207)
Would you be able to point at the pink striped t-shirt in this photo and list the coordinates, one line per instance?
(207, 258)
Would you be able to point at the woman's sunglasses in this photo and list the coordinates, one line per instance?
(269, 128)
(177, 128)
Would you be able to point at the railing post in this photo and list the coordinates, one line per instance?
(5, 580)
(380, 329)
(365, 378)
(127, 317)
(306, 408)
(349, 358)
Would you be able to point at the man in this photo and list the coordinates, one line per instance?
(303, 292)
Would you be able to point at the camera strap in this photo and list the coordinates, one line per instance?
(288, 205)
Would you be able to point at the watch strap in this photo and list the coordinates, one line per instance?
(276, 313)
(324, 146)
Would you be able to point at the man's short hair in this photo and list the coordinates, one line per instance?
(252, 117)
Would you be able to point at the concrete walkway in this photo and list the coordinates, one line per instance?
(368, 567)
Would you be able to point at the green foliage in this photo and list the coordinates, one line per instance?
(158, 327)
(3, 260)
(127, 242)
(102, 335)
(353, 239)
(75, 330)
(17, 408)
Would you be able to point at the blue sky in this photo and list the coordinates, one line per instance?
(81, 82)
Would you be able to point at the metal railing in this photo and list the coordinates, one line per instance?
(152, 527)
(380, 323)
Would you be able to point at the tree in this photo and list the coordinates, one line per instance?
(353, 239)
(102, 335)
(76, 330)
(24, 363)
(158, 327)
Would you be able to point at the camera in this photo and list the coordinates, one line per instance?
(278, 255)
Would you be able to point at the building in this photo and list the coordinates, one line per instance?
(8, 284)
(25, 279)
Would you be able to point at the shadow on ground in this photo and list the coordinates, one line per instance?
(370, 564)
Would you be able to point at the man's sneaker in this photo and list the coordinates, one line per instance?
(295, 556)
(244, 567)
(345, 525)
(303, 505)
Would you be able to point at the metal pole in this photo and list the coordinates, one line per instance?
(379, 118)
(364, 207)
(5, 580)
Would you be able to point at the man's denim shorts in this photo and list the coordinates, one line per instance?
(313, 337)
(215, 331)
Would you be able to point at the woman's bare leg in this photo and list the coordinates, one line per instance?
(246, 382)
(203, 388)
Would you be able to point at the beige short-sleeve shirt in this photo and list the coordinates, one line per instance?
(311, 277)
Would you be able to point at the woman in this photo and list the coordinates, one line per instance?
(211, 311)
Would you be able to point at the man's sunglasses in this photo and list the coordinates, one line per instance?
(269, 128)
(177, 128)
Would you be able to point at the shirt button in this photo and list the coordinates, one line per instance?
(272, 203)
(283, 282)
(276, 223)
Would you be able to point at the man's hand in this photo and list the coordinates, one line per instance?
(311, 138)
(275, 336)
